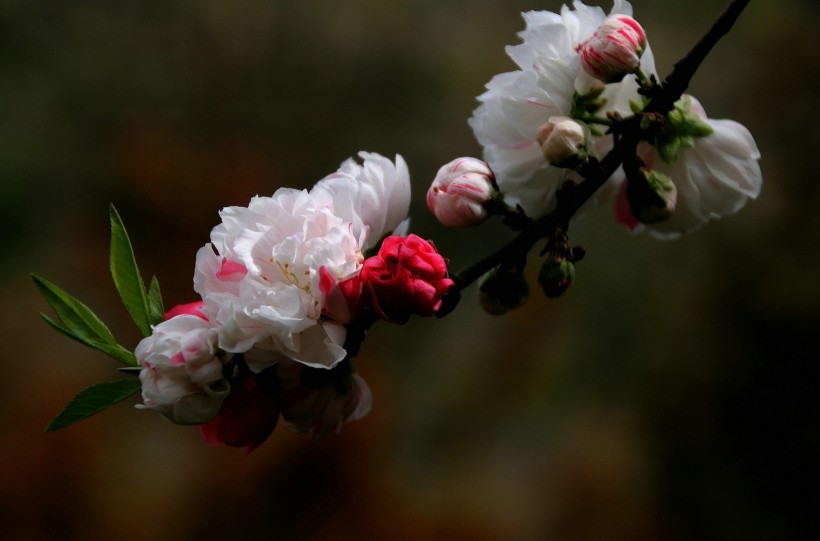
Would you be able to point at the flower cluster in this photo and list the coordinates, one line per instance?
(280, 282)
(540, 124)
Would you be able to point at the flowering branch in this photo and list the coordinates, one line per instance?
(628, 133)
(291, 284)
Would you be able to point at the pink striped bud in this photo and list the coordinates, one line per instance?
(614, 50)
(459, 192)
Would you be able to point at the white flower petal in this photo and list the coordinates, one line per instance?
(374, 196)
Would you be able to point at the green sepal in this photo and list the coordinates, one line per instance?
(687, 123)
(659, 183)
(670, 148)
(587, 104)
(637, 106)
(94, 399)
(681, 129)
(77, 321)
(127, 277)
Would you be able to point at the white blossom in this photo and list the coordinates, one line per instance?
(517, 103)
(714, 177)
(260, 276)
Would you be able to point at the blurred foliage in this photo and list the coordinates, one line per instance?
(670, 394)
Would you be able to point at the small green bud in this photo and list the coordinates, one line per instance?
(652, 196)
(502, 289)
(556, 275)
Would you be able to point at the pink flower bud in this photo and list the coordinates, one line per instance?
(614, 50)
(561, 140)
(408, 276)
(459, 192)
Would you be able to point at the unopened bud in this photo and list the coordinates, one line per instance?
(614, 50)
(563, 141)
(651, 197)
(502, 289)
(460, 191)
(556, 275)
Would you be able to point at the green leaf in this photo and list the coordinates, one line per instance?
(133, 370)
(156, 311)
(126, 275)
(113, 350)
(93, 400)
(74, 316)
(76, 321)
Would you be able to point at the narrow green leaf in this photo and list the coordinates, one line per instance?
(74, 316)
(93, 400)
(156, 311)
(126, 275)
(113, 350)
(117, 352)
(133, 370)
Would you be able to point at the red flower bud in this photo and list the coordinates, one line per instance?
(247, 417)
(408, 276)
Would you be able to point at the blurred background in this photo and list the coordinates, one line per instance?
(670, 394)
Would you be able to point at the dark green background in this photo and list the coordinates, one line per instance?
(671, 394)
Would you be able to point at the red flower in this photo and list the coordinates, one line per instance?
(247, 417)
(407, 277)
